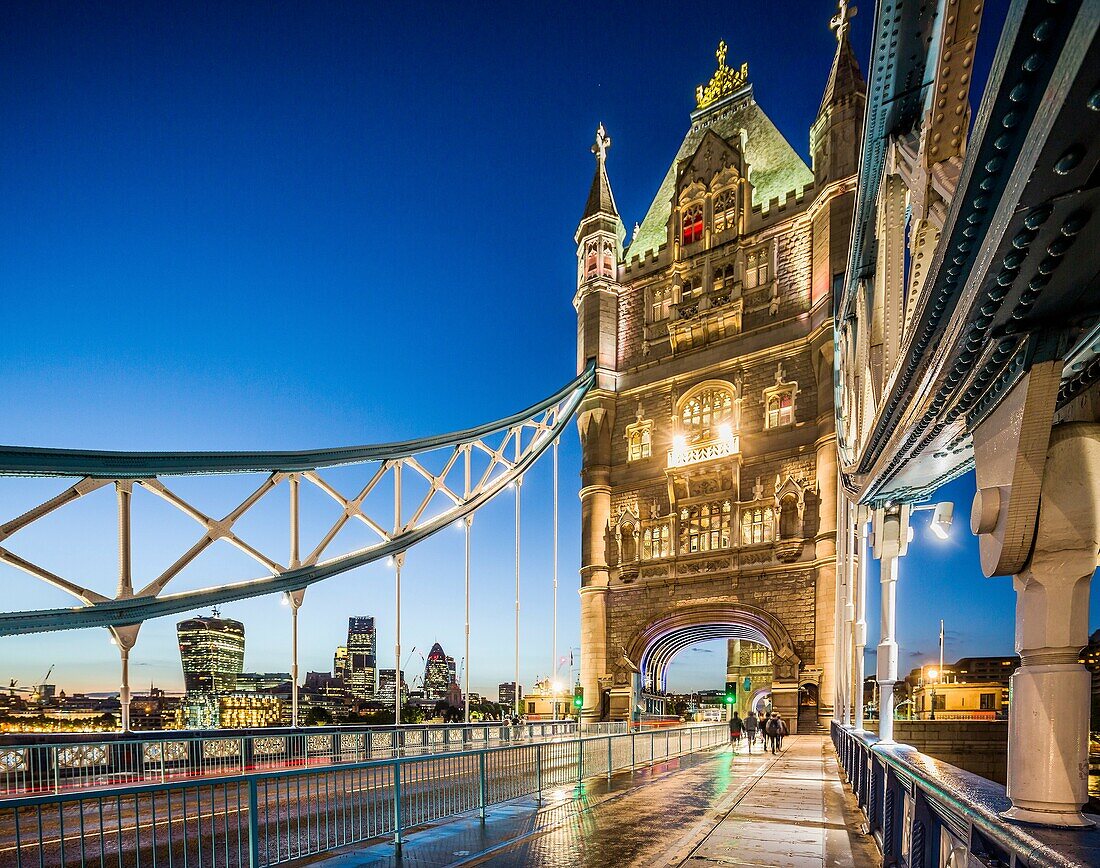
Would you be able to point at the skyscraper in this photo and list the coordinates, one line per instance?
(451, 670)
(212, 653)
(340, 663)
(506, 694)
(385, 685)
(437, 673)
(361, 674)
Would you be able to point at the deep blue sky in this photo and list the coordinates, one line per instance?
(292, 225)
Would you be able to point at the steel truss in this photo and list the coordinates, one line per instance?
(506, 448)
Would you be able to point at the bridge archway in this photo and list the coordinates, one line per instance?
(664, 637)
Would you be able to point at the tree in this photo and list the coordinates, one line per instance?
(318, 716)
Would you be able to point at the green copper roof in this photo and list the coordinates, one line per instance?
(775, 168)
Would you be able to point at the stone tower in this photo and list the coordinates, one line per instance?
(708, 490)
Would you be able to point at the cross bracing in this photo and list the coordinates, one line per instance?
(475, 465)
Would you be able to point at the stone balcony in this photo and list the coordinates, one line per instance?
(709, 317)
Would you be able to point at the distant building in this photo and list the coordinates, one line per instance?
(263, 682)
(454, 695)
(452, 671)
(506, 694)
(385, 685)
(437, 673)
(544, 703)
(212, 653)
(229, 711)
(361, 672)
(340, 663)
(961, 700)
(153, 710)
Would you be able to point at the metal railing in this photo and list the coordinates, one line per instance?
(924, 813)
(85, 762)
(266, 817)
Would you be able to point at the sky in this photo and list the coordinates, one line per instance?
(296, 225)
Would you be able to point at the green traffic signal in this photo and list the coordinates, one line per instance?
(578, 696)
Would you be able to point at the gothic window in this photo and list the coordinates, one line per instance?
(607, 260)
(757, 267)
(656, 542)
(661, 304)
(591, 260)
(691, 224)
(723, 283)
(757, 525)
(780, 409)
(690, 289)
(705, 527)
(705, 411)
(725, 211)
(789, 524)
(639, 443)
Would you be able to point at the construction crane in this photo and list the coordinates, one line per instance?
(34, 692)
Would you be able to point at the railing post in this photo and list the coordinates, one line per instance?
(609, 756)
(632, 737)
(253, 824)
(56, 771)
(580, 760)
(538, 771)
(397, 800)
(481, 785)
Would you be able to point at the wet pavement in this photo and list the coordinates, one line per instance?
(711, 809)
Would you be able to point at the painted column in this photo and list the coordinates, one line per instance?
(826, 631)
(860, 631)
(891, 539)
(594, 422)
(1048, 724)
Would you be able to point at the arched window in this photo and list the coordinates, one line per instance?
(725, 211)
(607, 260)
(656, 542)
(757, 267)
(757, 525)
(591, 260)
(705, 527)
(780, 409)
(639, 444)
(789, 524)
(691, 225)
(704, 412)
(661, 304)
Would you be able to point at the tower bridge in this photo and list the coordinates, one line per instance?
(780, 366)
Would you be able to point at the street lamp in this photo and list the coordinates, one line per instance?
(933, 675)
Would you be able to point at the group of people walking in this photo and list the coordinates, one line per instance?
(771, 728)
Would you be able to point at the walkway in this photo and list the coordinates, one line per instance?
(789, 811)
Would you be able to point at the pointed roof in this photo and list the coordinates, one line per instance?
(845, 77)
(775, 168)
(600, 198)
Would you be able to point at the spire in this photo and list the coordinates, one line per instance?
(845, 78)
(600, 199)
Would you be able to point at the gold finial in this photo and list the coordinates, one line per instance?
(603, 142)
(839, 22)
(725, 80)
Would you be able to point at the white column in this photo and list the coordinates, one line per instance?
(517, 706)
(849, 567)
(466, 679)
(294, 598)
(891, 539)
(554, 617)
(860, 632)
(125, 638)
(842, 644)
(1048, 723)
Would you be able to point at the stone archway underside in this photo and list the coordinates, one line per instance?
(674, 631)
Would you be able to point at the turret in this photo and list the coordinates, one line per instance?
(836, 133)
(599, 240)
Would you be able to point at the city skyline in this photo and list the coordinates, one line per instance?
(152, 216)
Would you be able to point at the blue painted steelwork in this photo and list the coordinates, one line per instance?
(920, 810)
(271, 817)
(29, 461)
(96, 468)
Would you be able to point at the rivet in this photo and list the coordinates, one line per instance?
(1093, 102)
(1001, 143)
(1043, 31)
(1059, 246)
(1022, 239)
(1018, 93)
(1047, 266)
(1075, 222)
(1069, 160)
(1032, 62)
(1014, 258)
(1036, 217)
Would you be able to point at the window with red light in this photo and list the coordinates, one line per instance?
(691, 225)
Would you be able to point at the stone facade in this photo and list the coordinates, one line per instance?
(709, 467)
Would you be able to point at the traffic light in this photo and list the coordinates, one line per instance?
(731, 693)
(578, 696)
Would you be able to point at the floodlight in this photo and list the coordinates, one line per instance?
(941, 519)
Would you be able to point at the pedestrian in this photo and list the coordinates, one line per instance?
(781, 730)
(751, 725)
(736, 727)
(771, 733)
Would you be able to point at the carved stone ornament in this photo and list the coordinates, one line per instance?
(724, 81)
